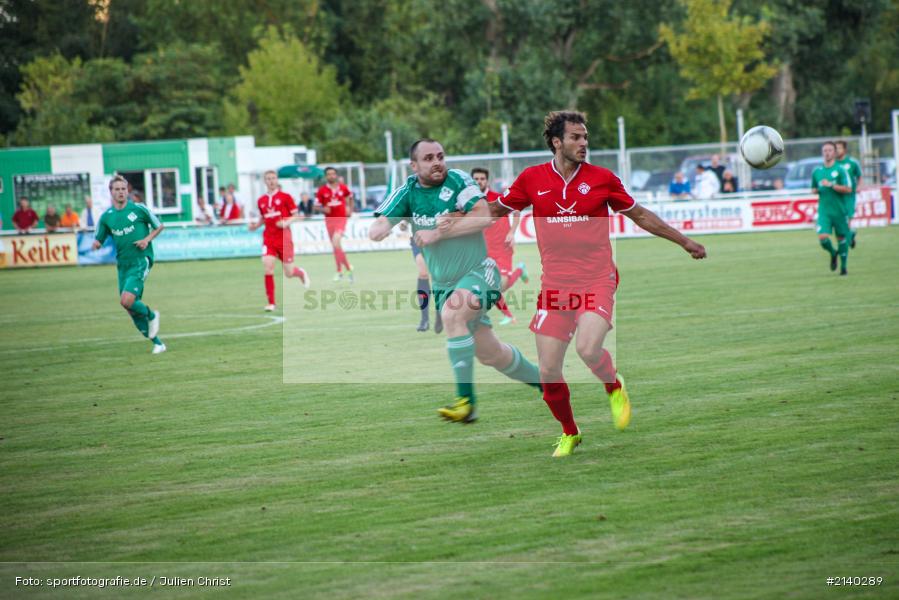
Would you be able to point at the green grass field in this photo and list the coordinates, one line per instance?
(762, 457)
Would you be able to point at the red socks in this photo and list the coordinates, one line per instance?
(557, 398)
(270, 288)
(513, 277)
(341, 260)
(606, 372)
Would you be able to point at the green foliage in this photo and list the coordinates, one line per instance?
(720, 54)
(53, 114)
(180, 88)
(329, 72)
(285, 95)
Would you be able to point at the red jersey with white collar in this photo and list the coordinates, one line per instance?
(495, 235)
(571, 219)
(273, 208)
(335, 199)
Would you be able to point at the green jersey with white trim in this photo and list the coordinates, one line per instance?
(828, 198)
(853, 169)
(449, 259)
(127, 225)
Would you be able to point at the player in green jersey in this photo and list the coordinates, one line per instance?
(133, 228)
(831, 181)
(855, 177)
(464, 280)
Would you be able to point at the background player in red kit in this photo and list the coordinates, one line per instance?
(277, 211)
(571, 201)
(500, 239)
(336, 201)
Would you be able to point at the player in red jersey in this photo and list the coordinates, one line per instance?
(277, 211)
(336, 201)
(500, 239)
(571, 200)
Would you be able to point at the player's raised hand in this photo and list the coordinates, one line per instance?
(697, 251)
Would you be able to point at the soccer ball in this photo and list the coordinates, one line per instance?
(762, 147)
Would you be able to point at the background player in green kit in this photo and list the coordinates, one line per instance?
(855, 178)
(832, 184)
(133, 228)
(464, 281)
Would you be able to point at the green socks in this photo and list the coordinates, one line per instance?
(521, 369)
(141, 315)
(461, 356)
(843, 251)
(827, 245)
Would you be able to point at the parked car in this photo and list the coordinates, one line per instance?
(658, 181)
(799, 175)
(765, 179)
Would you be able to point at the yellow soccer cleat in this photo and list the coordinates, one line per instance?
(463, 411)
(621, 406)
(566, 444)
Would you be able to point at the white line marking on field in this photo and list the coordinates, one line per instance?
(270, 320)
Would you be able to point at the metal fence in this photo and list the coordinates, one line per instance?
(648, 171)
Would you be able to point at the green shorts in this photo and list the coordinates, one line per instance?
(832, 220)
(849, 205)
(482, 281)
(132, 276)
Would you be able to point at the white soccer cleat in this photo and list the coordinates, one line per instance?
(304, 277)
(154, 327)
(269, 307)
(158, 348)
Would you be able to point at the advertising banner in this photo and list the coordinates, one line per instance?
(48, 250)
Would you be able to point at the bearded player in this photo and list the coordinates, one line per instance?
(465, 280)
(500, 239)
(572, 201)
(336, 201)
(277, 211)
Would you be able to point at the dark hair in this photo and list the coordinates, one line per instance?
(481, 170)
(415, 144)
(841, 143)
(828, 142)
(330, 169)
(116, 178)
(554, 124)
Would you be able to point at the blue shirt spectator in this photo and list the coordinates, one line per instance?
(679, 188)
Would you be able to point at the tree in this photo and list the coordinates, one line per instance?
(53, 113)
(285, 95)
(720, 54)
(179, 91)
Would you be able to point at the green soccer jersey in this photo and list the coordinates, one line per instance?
(127, 225)
(828, 199)
(450, 259)
(853, 169)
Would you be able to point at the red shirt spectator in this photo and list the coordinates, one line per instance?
(230, 211)
(24, 218)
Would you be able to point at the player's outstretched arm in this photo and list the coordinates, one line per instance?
(649, 221)
(380, 229)
(457, 224)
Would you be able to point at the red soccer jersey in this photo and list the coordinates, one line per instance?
(335, 199)
(273, 208)
(495, 235)
(571, 220)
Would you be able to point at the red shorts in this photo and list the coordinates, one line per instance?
(558, 311)
(282, 249)
(335, 225)
(503, 262)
